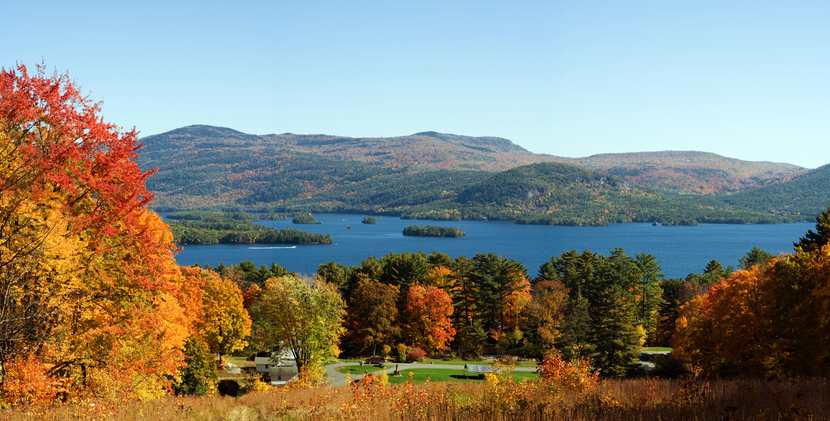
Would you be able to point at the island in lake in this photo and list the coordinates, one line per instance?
(235, 228)
(432, 231)
(304, 218)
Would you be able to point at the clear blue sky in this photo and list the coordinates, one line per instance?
(744, 79)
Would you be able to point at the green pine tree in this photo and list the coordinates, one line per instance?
(614, 333)
(199, 375)
(820, 237)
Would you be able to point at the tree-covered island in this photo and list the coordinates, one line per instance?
(235, 228)
(304, 218)
(432, 231)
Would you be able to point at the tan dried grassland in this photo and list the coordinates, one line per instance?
(635, 399)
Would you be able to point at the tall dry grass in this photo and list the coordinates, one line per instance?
(635, 399)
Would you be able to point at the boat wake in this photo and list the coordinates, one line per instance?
(271, 248)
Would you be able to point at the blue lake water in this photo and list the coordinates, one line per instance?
(679, 249)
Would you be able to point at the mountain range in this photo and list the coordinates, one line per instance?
(434, 175)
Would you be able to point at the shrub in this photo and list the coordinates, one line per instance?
(401, 348)
(27, 382)
(415, 354)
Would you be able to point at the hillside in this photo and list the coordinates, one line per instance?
(689, 172)
(427, 149)
(203, 167)
(804, 196)
(671, 171)
(562, 194)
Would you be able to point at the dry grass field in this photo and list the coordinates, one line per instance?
(635, 399)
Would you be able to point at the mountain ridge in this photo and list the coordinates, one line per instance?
(681, 172)
(426, 177)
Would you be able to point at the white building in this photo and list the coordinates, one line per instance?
(278, 363)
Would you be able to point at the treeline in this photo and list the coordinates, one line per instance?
(193, 232)
(432, 231)
(603, 307)
(208, 216)
(585, 304)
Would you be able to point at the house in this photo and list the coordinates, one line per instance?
(276, 366)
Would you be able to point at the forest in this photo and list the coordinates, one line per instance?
(99, 322)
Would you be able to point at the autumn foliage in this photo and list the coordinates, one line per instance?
(769, 319)
(92, 298)
(428, 312)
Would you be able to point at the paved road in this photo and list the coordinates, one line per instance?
(337, 378)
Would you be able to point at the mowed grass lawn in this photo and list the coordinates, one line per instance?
(356, 369)
(420, 375)
(462, 362)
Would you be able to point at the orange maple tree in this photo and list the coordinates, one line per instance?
(428, 312)
(87, 271)
(765, 320)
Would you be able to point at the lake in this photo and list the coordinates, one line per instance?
(679, 249)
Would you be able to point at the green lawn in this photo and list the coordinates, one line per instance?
(656, 349)
(454, 376)
(356, 369)
(462, 362)
(344, 360)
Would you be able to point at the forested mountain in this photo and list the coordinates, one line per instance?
(427, 149)
(552, 193)
(429, 176)
(672, 171)
(805, 195)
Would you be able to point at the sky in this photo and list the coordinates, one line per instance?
(743, 79)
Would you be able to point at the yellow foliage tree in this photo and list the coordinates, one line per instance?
(221, 320)
(304, 316)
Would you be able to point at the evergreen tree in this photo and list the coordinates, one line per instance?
(575, 339)
(335, 274)
(756, 256)
(713, 273)
(649, 294)
(404, 269)
(669, 310)
(819, 238)
(495, 279)
(437, 259)
(614, 334)
(198, 376)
